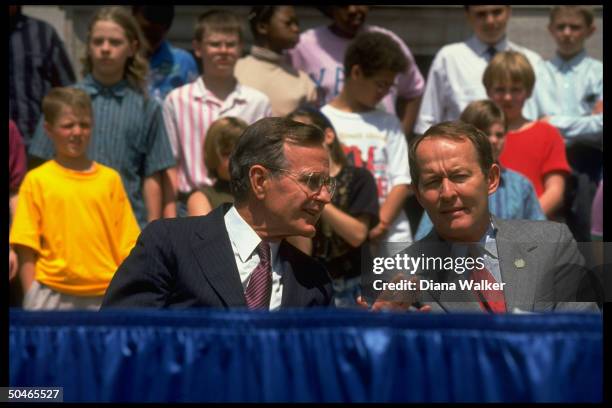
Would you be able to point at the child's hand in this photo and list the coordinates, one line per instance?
(598, 108)
(13, 264)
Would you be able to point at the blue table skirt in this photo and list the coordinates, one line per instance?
(307, 356)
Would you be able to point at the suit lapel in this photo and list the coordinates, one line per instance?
(213, 251)
(518, 266)
(293, 293)
(450, 301)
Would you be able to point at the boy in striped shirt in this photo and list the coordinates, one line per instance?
(190, 110)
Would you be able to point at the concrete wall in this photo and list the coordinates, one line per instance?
(424, 28)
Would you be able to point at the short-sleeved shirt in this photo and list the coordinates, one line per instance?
(188, 113)
(37, 62)
(128, 136)
(17, 158)
(455, 79)
(514, 199)
(170, 67)
(534, 152)
(80, 224)
(270, 73)
(320, 53)
(356, 196)
(375, 140)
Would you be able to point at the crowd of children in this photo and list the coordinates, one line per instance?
(148, 132)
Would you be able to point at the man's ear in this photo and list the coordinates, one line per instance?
(493, 178)
(258, 176)
(415, 189)
(591, 30)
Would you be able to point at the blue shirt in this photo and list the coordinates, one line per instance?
(515, 199)
(170, 68)
(128, 135)
(568, 91)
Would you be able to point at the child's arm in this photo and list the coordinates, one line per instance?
(27, 265)
(169, 189)
(198, 204)
(390, 209)
(354, 230)
(552, 198)
(152, 193)
(409, 109)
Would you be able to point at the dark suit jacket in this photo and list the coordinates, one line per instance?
(539, 262)
(189, 262)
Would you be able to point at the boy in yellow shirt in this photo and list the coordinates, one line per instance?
(73, 224)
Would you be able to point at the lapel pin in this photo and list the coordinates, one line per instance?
(519, 263)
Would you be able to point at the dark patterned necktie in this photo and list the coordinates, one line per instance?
(491, 51)
(259, 289)
(492, 301)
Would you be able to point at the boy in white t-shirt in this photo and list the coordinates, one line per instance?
(373, 138)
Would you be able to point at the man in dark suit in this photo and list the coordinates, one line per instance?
(237, 255)
(519, 265)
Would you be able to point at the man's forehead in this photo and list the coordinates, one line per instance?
(306, 156)
(457, 149)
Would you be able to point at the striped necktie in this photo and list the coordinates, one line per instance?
(492, 301)
(259, 289)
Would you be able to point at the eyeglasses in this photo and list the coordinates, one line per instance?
(313, 181)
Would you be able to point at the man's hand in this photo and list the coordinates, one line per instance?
(387, 305)
(396, 300)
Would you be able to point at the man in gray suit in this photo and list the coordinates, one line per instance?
(506, 265)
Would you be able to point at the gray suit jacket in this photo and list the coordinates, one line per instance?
(539, 262)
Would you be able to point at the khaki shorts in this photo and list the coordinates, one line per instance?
(41, 297)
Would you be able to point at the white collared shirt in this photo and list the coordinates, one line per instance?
(488, 250)
(188, 113)
(455, 79)
(244, 245)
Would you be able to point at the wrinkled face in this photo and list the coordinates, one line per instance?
(497, 137)
(570, 31)
(349, 19)
(283, 30)
(488, 22)
(453, 189)
(109, 49)
(218, 52)
(294, 207)
(369, 91)
(510, 96)
(70, 133)
(153, 32)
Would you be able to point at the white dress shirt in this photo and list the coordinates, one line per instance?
(455, 79)
(568, 90)
(244, 245)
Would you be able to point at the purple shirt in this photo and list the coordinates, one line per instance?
(320, 53)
